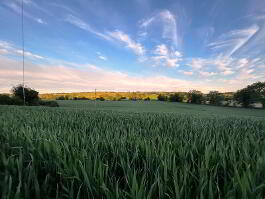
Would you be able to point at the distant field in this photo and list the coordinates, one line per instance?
(106, 95)
(131, 149)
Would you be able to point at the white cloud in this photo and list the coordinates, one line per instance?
(169, 25)
(8, 48)
(233, 41)
(197, 63)
(102, 57)
(110, 36)
(83, 25)
(207, 74)
(125, 39)
(186, 72)
(17, 9)
(40, 21)
(242, 62)
(29, 54)
(162, 50)
(166, 57)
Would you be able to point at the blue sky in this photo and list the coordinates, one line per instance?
(136, 45)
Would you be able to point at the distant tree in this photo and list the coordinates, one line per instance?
(100, 98)
(63, 98)
(257, 91)
(147, 99)
(215, 98)
(161, 97)
(251, 94)
(31, 96)
(243, 97)
(176, 97)
(195, 97)
(6, 100)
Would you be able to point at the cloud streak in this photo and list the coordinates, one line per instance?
(15, 7)
(10, 49)
(83, 25)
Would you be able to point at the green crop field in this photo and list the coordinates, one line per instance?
(127, 149)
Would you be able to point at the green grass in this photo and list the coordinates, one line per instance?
(131, 150)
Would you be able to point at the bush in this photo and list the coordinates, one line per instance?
(176, 97)
(215, 98)
(243, 97)
(7, 100)
(195, 97)
(100, 99)
(161, 97)
(60, 98)
(31, 96)
(80, 98)
(147, 99)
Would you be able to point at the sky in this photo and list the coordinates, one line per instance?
(133, 45)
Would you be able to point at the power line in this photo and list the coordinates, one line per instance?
(23, 50)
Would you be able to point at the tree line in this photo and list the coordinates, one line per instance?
(246, 97)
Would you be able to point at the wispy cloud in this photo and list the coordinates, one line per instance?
(166, 57)
(169, 25)
(136, 47)
(233, 41)
(8, 48)
(207, 74)
(185, 72)
(117, 35)
(83, 25)
(15, 7)
(100, 56)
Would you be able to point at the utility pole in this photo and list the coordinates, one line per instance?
(23, 50)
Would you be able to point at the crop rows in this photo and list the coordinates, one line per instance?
(68, 153)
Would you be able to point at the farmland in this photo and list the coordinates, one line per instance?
(127, 149)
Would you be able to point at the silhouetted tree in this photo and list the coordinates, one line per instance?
(195, 97)
(215, 98)
(176, 97)
(251, 94)
(31, 96)
(243, 97)
(161, 97)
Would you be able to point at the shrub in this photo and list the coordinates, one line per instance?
(243, 97)
(195, 97)
(147, 99)
(5, 100)
(161, 97)
(176, 97)
(31, 96)
(100, 99)
(215, 98)
(60, 98)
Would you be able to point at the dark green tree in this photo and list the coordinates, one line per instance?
(31, 96)
(161, 97)
(251, 94)
(215, 98)
(176, 97)
(195, 97)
